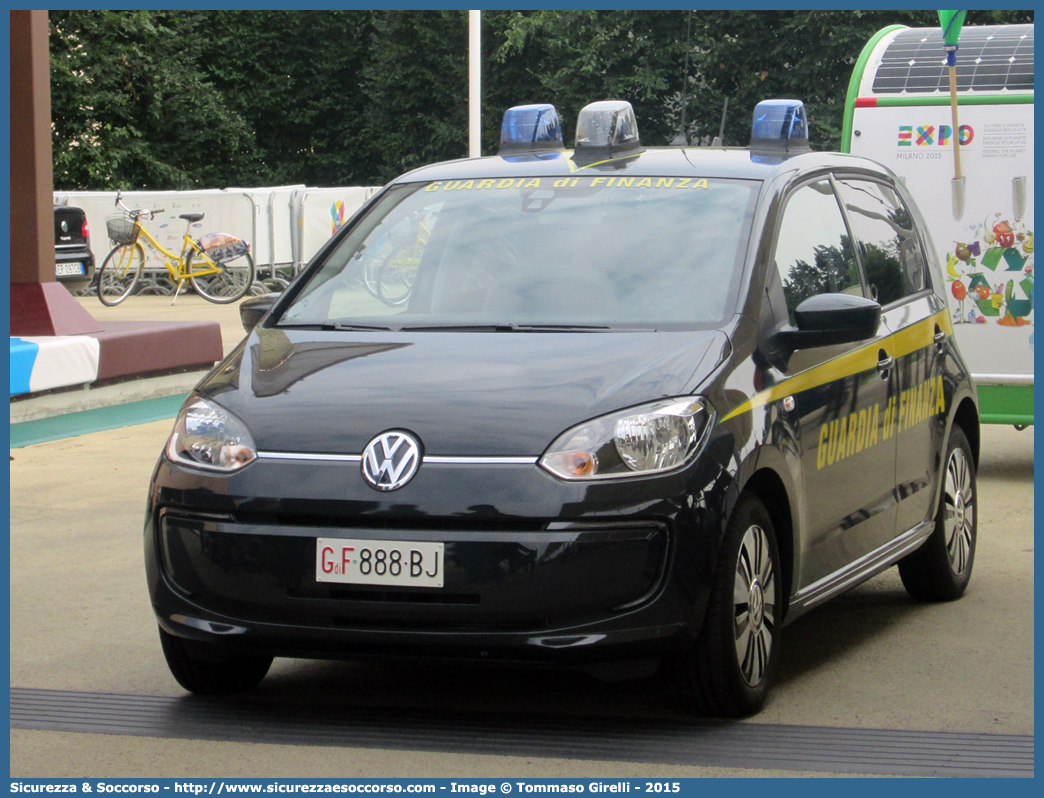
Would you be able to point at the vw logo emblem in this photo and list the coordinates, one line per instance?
(390, 460)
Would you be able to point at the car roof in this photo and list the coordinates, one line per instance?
(712, 162)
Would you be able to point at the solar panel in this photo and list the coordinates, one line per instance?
(990, 59)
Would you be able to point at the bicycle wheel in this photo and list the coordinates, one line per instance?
(371, 267)
(120, 273)
(395, 279)
(230, 283)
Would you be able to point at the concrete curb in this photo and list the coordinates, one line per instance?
(89, 398)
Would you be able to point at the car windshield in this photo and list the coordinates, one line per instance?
(537, 253)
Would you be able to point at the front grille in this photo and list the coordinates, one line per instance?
(495, 578)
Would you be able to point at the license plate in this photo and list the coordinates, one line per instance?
(66, 269)
(379, 562)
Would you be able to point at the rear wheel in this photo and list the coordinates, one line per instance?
(941, 568)
(370, 267)
(275, 285)
(231, 282)
(205, 669)
(395, 279)
(120, 273)
(730, 669)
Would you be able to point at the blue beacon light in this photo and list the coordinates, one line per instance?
(780, 128)
(530, 128)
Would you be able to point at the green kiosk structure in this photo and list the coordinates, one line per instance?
(898, 113)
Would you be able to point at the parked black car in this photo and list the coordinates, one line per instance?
(73, 259)
(614, 404)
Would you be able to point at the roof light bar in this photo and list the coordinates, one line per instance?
(780, 127)
(609, 125)
(530, 128)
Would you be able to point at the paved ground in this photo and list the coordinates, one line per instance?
(80, 620)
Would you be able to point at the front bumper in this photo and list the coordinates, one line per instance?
(549, 571)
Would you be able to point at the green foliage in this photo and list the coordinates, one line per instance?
(295, 78)
(415, 91)
(131, 107)
(207, 99)
(748, 56)
(577, 57)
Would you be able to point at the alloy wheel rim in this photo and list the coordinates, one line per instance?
(958, 511)
(754, 605)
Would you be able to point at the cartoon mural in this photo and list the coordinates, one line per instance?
(991, 277)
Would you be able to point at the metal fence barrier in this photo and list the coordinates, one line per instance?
(285, 225)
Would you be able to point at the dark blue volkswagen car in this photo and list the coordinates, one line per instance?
(589, 407)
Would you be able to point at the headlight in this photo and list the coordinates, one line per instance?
(651, 439)
(208, 436)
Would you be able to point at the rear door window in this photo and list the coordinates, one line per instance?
(888, 246)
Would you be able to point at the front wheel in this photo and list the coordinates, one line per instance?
(204, 669)
(730, 669)
(120, 273)
(941, 568)
(229, 282)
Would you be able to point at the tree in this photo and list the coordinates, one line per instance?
(749, 56)
(415, 87)
(164, 99)
(573, 58)
(131, 108)
(296, 79)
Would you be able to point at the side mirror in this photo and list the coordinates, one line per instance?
(827, 319)
(252, 310)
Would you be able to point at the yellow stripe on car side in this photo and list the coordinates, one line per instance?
(899, 344)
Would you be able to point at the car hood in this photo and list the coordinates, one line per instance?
(467, 394)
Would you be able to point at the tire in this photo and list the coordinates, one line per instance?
(275, 285)
(203, 669)
(371, 266)
(120, 273)
(234, 281)
(730, 669)
(941, 568)
(395, 281)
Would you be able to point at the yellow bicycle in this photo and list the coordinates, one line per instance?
(220, 269)
(388, 271)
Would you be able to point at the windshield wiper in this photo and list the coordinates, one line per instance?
(557, 327)
(504, 327)
(338, 326)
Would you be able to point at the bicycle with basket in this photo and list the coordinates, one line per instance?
(218, 265)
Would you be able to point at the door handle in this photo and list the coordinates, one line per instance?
(940, 339)
(884, 364)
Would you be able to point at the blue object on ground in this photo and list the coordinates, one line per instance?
(23, 356)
